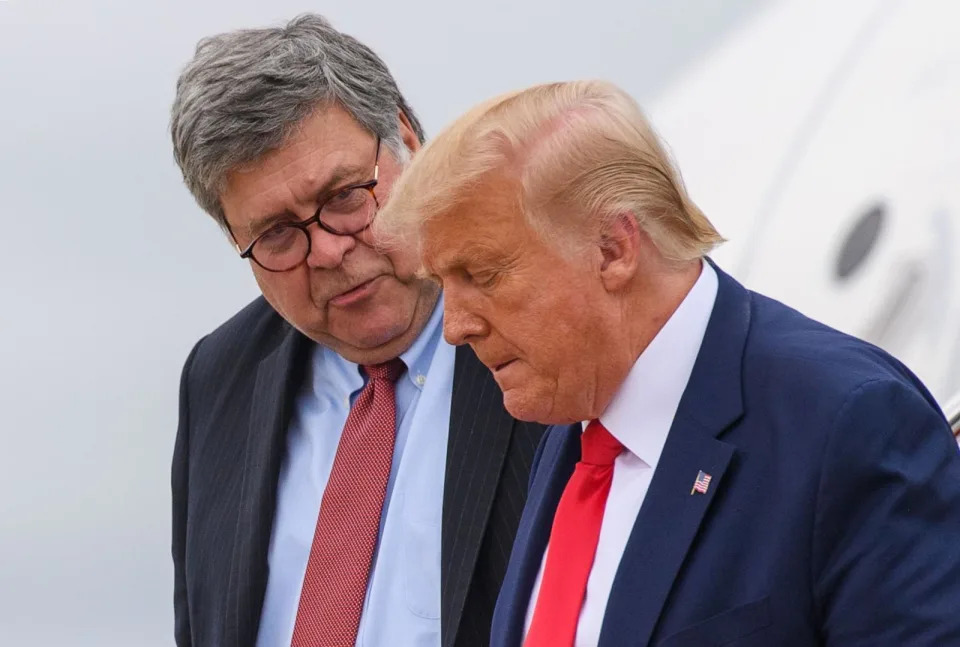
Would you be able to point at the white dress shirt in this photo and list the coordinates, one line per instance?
(640, 416)
(402, 605)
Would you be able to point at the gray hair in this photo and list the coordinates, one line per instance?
(246, 91)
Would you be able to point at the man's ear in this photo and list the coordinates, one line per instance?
(620, 247)
(407, 133)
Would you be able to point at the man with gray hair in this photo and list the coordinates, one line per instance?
(341, 475)
(735, 474)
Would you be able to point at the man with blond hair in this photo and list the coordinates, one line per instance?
(722, 469)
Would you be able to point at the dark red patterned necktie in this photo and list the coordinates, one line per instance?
(335, 584)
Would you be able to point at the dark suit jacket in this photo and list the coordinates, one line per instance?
(832, 517)
(236, 397)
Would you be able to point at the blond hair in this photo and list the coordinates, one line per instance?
(580, 149)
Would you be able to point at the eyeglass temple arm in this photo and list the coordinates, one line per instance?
(233, 238)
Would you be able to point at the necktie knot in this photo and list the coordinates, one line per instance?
(598, 446)
(390, 371)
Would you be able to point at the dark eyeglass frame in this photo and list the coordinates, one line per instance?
(302, 225)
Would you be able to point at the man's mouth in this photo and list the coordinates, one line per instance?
(499, 367)
(355, 294)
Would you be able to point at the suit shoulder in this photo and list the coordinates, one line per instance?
(791, 355)
(245, 338)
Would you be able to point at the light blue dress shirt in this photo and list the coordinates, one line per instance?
(402, 607)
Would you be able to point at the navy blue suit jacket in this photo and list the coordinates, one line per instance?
(832, 517)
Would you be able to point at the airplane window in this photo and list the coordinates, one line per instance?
(860, 241)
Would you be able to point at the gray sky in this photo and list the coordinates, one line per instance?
(111, 272)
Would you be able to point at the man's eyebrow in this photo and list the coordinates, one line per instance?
(260, 225)
(473, 252)
(342, 175)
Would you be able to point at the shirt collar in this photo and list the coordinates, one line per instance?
(420, 354)
(642, 411)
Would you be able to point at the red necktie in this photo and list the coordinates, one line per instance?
(573, 541)
(335, 584)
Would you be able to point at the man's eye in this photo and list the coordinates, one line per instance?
(483, 279)
(345, 201)
(278, 238)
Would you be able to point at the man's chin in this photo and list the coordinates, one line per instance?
(370, 344)
(531, 407)
(378, 338)
(522, 406)
(376, 330)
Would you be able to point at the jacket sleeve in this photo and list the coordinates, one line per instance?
(180, 489)
(886, 539)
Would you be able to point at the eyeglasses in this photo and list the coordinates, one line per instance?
(346, 211)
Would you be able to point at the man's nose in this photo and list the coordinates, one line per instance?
(327, 250)
(460, 324)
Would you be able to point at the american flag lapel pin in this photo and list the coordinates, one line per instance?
(702, 484)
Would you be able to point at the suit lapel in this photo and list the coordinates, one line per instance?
(671, 516)
(662, 535)
(480, 430)
(560, 453)
(278, 377)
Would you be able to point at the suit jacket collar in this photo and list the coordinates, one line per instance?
(714, 394)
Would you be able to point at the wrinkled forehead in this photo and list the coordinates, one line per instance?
(297, 169)
(328, 148)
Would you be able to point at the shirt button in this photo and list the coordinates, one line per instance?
(421, 379)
